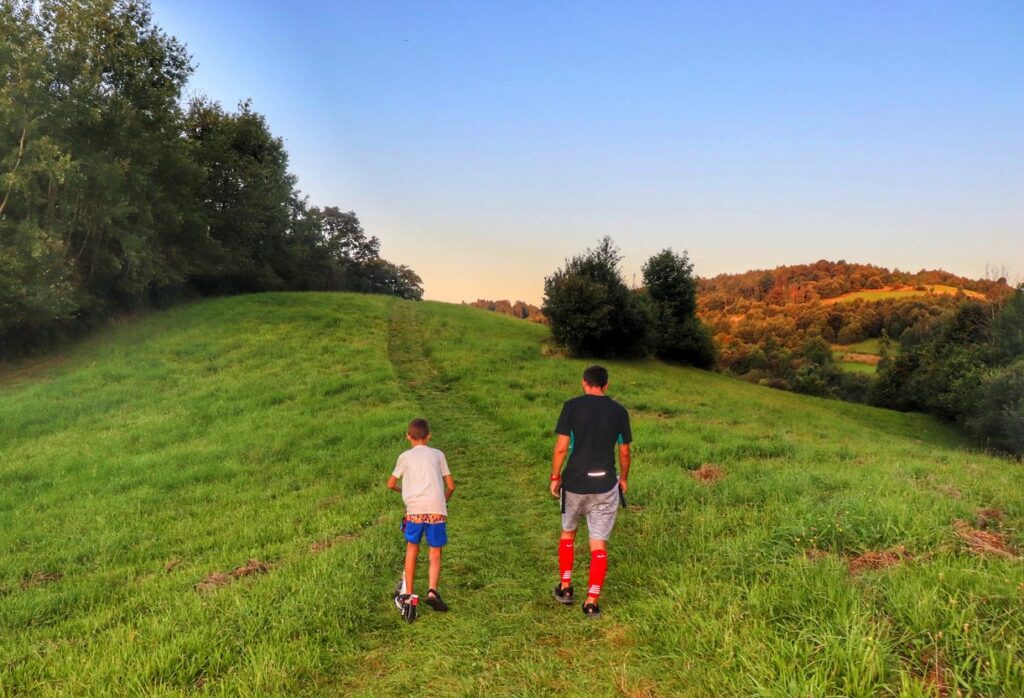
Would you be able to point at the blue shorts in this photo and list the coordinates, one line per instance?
(437, 533)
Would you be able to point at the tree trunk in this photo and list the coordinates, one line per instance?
(21, 153)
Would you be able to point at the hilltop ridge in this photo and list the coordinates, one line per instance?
(824, 280)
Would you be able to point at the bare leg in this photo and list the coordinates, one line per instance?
(435, 567)
(568, 535)
(596, 544)
(412, 550)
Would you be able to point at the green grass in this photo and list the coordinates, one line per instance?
(252, 427)
(885, 293)
(856, 366)
(872, 345)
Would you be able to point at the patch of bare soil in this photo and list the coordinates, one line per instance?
(983, 542)
(318, 545)
(708, 473)
(38, 579)
(877, 559)
(221, 579)
(172, 564)
(861, 358)
(989, 517)
(936, 676)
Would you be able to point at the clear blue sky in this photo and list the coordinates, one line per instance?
(485, 142)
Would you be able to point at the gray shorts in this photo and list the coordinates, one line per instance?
(600, 510)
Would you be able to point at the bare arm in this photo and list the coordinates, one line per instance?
(625, 458)
(449, 487)
(393, 484)
(557, 458)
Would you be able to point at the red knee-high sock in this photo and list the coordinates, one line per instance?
(565, 559)
(598, 568)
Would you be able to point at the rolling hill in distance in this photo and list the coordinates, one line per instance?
(194, 503)
(761, 319)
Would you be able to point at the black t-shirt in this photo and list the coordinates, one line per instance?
(595, 424)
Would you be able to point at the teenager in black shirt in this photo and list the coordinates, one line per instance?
(590, 429)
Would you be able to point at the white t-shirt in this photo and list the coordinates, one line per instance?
(422, 470)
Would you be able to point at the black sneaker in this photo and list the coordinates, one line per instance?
(435, 602)
(408, 610)
(563, 595)
(591, 610)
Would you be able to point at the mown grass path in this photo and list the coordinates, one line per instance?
(504, 634)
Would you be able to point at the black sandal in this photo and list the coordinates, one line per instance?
(435, 602)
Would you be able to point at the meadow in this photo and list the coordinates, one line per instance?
(902, 292)
(194, 503)
(862, 357)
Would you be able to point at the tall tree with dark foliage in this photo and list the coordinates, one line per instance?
(591, 310)
(679, 335)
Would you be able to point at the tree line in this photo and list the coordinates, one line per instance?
(593, 313)
(958, 356)
(116, 196)
(775, 327)
(966, 366)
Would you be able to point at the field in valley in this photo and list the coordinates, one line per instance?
(194, 503)
(862, 357)
(879, 294)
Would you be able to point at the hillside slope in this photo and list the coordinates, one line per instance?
(262, 428)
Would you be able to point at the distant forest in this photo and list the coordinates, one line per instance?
(928, 341)
(938, 342)
(115, 196)
(519, 309)
(763, 319)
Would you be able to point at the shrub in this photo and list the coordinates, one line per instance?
(998, 419)
(678, 334)
(591, 310)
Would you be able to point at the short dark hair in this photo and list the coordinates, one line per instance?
(596, 376)
(419, 429)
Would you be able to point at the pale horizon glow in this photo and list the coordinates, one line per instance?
(485, 144)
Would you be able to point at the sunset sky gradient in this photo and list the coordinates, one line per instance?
(484, 143)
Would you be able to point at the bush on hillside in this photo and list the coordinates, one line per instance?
(853, 387)
(998, 419)
(678, 334)
(1008, 328)
(812, 379)
(591, 310)
(967, 367)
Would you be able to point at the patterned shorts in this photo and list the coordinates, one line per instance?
(426, 518)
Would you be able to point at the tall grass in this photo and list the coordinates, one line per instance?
(252, 428)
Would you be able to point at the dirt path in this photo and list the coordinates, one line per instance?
(504, 634)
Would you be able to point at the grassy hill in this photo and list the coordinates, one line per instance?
(195, 503)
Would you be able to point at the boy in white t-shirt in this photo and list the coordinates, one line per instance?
(426, 487)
